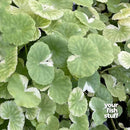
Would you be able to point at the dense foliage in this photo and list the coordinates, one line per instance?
(62, 62)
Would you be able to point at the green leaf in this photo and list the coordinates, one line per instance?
(62, 109)
(91, 84)
(9, 110)
(59, 49)
(104, 47)
(58, 4)
(63, 129)
(65, 123)
(46, 108)
(51, 123)
(117, 34)
(90, 22)
(26, 97)
(116, 89)
(31, 113)
(40, 22)
(124, 22)
(83, 61)
(124, 13)
(104, 94)
(77, 102)
(79, 123)
(87, 3)
(67, 30)
(18, 29)
(121, 74)
(102, 1)
(8, 60)
(45, 11)
(4, 92)
(99, 127)
(97, 105)
(124, 59)
(60, 88)
(39, 64)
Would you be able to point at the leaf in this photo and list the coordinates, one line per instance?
(8, 60)
(117, 34)
(51, 123)
(18, 29)
(31, 113)
(9, 110)
(79, 123)
(4, 92)
(83, 61)
(102, 1)
(59, 49)
(90, 22)
(46, 108)
(58, 4)
(17, 87)
(65, 124)
(87, 3)
(45, 11)
(60, 88)
(91, 84)
(40, 22)
(77, 102)
(124, 22)
(104, 94)
(121, 74)
(124, 59)
(98, 105)
(99, 127)
(62, 109)
(104, 47)
(116, 90)
(39, 64)
(67, 30)
(63, 129)
(124, 13)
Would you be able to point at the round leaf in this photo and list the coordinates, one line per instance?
(60, 88)
(77, 102)
(39, 64)
(18, 29)
(45, 11)
(46, 108)
(83, 62)
(26, 97)
(9, 110)
(124, 59)
(8, 60)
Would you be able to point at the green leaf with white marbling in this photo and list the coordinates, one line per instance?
(39, 63)
(9, 110)
(8, 60)
(45, 11)
(124, 59)
(77, 102)
(26, 97)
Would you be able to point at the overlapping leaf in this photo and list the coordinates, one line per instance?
(77, 102)
(8, 60)
(26, 97)
(9, 110)
(60, 88)
(39, 64)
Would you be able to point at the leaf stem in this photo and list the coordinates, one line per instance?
(113, 124)
(110, 68)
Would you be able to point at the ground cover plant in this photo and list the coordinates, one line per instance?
(64, 64)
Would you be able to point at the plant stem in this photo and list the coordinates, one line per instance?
(26, 50)
(110, 68)
(113, 124)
